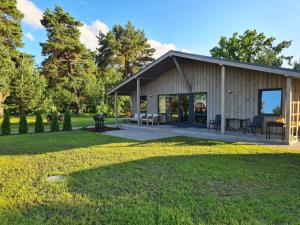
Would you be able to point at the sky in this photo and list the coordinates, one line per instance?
(191, 26)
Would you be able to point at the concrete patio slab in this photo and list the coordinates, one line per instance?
(144, 132)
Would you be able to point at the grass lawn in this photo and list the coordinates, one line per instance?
(77, 121)
(169, 181)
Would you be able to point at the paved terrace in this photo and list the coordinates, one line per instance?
(144, 132)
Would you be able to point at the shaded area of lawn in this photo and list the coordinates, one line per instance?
(168, 181)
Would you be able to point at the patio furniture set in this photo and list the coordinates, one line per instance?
(144, 118)
(244, 125)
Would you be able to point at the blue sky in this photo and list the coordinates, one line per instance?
(190, 25)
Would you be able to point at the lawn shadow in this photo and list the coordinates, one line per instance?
(195, 189)
(31, 144)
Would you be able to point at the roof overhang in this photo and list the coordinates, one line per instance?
(165, 63)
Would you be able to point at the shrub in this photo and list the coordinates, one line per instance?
(23, 127)
(67, 125)
(39, 125)
(54, 123)
(5, 127)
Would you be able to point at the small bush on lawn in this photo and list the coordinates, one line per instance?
(54, 123)
(67, 125)
(39, 125)
(5, 127)
(23, 126)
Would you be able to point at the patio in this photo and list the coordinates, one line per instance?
(144, 132)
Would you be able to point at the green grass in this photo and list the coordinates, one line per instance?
(77, 121)
(169, 181)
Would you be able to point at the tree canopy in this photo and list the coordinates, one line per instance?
(69, 66)
(10, 24)
(252, 47)
(124, 48)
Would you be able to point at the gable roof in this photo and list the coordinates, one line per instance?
(165, 63)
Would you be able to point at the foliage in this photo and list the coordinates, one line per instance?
(54, 123)
(67, 125)
(296, 65)
(69, 67)
(10, 40)
(23, 126)
(252, 47)
(27, 88)
(10, 25)
(5, 126)
(125, 48)
(39, 124)
(178, 180)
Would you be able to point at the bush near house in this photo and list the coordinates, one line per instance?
(5, 127)
(54, 123)
(67, 125)
(39, 125)
(23, 126)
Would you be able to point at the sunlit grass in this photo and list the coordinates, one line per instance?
(169, 181)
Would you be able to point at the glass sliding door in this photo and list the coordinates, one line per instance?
(200, 109)
(188, 109)
(168, 107)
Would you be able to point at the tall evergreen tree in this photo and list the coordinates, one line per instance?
(27, 87)
(252, 47)
(10, 40)
(10, 25)
(69, 66)
(124, 48)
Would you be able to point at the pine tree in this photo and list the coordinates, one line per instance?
(23, 126)
(69, 66)
(54, 123)
(10, 40)
(39, 124)
(67, 125)
(5, 127)
(125, 48)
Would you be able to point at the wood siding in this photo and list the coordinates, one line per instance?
(244, 85)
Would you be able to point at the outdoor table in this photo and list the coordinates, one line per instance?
(241, 124)
(275, 124)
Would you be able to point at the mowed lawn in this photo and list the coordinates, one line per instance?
(169, 181)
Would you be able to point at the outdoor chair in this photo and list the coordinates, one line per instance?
(215, 124)
(145, 119)
(153, 119)
(256, 123)
(133, 119)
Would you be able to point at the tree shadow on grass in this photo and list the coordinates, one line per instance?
(31, 144)
(197, 189)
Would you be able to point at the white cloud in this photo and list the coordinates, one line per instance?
(186, 50)
(89, 33)
(32, 14)
(160, 48)
(30, 36)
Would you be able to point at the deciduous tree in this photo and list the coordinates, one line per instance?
(252, 47)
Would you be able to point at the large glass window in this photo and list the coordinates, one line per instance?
(143, 104)
(270, 102)
(168, 106)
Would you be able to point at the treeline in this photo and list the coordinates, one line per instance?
(74, 78)
(71, 77)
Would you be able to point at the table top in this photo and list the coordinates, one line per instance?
(275, 124)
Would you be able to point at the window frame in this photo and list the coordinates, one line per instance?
(260, 91)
